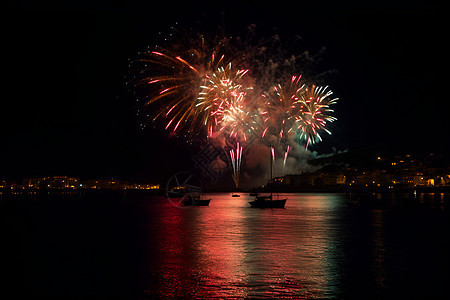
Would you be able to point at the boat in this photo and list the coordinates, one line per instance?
(185, 189)
(235, 195)
(268, 201)
(195, 200)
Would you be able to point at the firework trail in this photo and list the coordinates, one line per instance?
(285, 157)
(272, 150)
(236, 159)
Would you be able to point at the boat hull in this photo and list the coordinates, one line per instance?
(190, 202)
(268, 203)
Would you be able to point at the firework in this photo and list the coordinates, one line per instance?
(282, 107)
(171, 85)
(205, 93)
(295, 107)
(315, 113)
(223, 96)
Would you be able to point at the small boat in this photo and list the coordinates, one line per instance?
(185, 189)
(195, 200)
(268, 201)
(235, 195)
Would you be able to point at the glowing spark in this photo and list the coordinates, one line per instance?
(264, 132)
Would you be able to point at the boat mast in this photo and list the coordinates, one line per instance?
(271, 165)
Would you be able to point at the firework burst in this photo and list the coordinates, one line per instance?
(205, 92)
(315, 113)
(283, 106)
(223, 95)
(171, 85)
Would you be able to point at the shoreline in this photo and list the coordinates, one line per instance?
(346, 189)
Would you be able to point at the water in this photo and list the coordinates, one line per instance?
(137, 246)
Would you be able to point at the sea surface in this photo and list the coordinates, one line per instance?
(118, 245)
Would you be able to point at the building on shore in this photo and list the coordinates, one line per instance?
(58, 182)
(385, 173)
(74, 183)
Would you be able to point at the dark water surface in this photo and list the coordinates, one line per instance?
(128, 246)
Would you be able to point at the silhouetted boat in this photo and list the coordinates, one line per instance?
(195, 200)
(185, 189)
(235, 195)
(268, 201)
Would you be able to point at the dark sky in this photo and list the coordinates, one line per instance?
(66, 109)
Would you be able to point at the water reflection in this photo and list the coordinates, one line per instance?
(101, 243)
(228, 250)
(379, 249)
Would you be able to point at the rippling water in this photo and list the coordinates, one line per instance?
(317, 247)
(140, 246)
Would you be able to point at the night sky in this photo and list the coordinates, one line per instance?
(66, 109)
